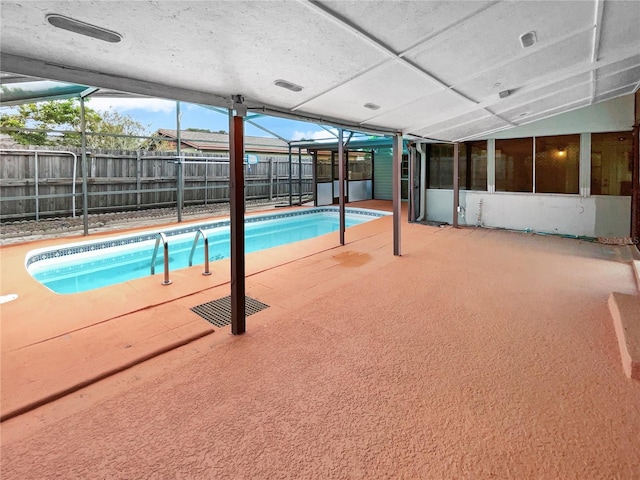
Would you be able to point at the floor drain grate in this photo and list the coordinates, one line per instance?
(218, 312)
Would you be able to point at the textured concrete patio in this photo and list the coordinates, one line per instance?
(477, 354)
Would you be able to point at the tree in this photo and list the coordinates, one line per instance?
(114, 123)
(64, 116)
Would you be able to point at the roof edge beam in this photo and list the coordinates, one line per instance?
(71, 74)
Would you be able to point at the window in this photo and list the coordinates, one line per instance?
(514, 165)
(360, 166)
(440, 156)
(611, 163)
(472, 165)
(404, 177)
(558, 164)
(323, 167)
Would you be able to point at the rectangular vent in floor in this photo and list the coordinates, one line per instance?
(218, 312)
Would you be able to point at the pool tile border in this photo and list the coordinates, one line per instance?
(89, 246)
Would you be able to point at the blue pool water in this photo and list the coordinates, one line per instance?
(90, 265)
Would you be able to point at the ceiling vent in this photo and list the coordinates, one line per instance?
(504, 93)
(528, 39)
(76, 26)
(371, 106)
(288, 85)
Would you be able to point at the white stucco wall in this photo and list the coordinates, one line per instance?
(610, 116)
(581, 215)
(601, 216)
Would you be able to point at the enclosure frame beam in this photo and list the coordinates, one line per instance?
(179, 173)
(341, 175)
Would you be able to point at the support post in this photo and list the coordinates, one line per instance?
(270, 175)
(85, 194)
(36, 185)
(206, 182)
(290, 175)
(236, 197)
(300, 174)
(635, 189)
(411, 183)
(397, 172)
(138, 179)
(179, 190)
(635, 173)
(314, 178)
(456, 183)
(341, 175)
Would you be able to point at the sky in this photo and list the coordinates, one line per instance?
(155, 113)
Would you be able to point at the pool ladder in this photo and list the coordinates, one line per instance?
(161, 237)
(200, 233)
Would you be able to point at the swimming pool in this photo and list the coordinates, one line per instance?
(84, 266)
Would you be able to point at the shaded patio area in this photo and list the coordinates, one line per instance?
(477, 354)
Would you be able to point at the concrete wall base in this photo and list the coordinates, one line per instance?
(625, 310)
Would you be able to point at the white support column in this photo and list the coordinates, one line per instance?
(585, 164)
(491, 165)
(456, 183)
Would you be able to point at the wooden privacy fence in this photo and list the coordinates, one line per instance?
(38, 183)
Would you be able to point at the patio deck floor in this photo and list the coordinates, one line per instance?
(477, 354)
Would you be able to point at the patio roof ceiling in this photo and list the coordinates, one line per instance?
(433, 69)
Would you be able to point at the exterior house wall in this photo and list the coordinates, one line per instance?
(581, 215)
(383, 174)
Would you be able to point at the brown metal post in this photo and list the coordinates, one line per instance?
(341, 175)
(300, 174)
(456, 183)
(397, 189)
(236, 197)
(85, 187)
(635, 175)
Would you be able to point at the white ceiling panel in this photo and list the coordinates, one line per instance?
(531, 95)
(615, 93)
(427, 110)
(387, 86)
(492, 37)
(626, 78)
(620, 27)
(555, 111)
(470, 117)
(524, 111)
(528, 70)
(225, 47)
(403, 24)
(432, 66)
(489, 124)
(616, 67)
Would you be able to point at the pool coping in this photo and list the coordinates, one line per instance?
(118, 240)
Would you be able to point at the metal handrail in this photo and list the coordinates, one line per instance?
(165, 243)
(200, 233)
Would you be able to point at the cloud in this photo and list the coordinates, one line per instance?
(123, 104)
(315, 135)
